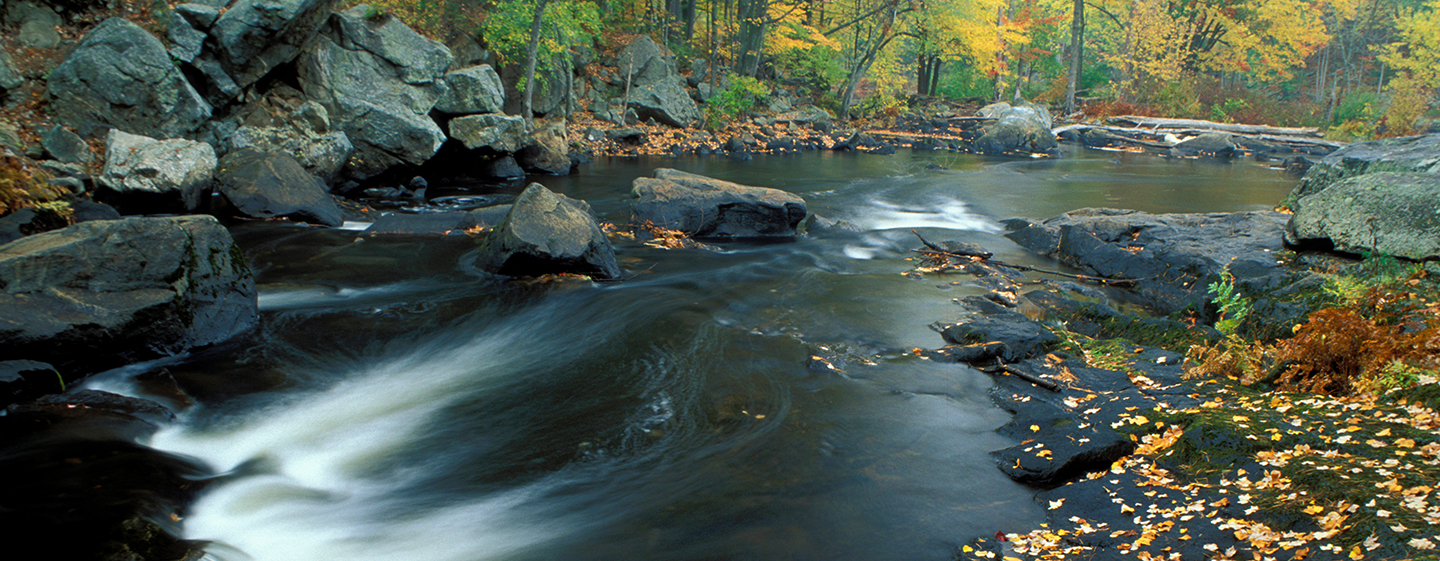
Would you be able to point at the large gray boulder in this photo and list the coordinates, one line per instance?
(499, 133)
(1390, 213)
(547, 233)
(147, 176)
(252, 37)
(1018, 130)
(548, 151)
(476, 89)
(304, 131)
(657, 91)
(378, 79)
(704, 207)
(273, 185)
(1407, 154)
(101, 294)
(120, 76)
(1206, 145)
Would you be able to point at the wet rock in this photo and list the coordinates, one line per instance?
(104, 293)
(1172, 257)
(1019, 130)
(27, 221)
(1068, 453)
(704, 207)
(1207, 145)
(273, 185)
(147, 176)
(547, 233)
(1388, 213)
(453, 223)
(378, 81)
(1019, 337)
(120, 76)
(25, 379)
(1419, 154)
(476, 89)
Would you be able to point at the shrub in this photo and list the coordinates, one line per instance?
(24, 185)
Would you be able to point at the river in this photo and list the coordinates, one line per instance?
(752, 402)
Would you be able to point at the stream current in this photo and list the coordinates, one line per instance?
(753, 402)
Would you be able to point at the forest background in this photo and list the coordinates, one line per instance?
(1355, 68)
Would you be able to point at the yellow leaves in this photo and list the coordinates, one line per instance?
(1314, 509)
(1056, 504)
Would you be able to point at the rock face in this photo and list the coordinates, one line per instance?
(120, 76)
(1019, 130)
(657, 90)
(147, 176)
(546, 233)
(704, 207)
(252, 37)
(1175, 256)
(1409, 154)
(1388, 213)
(378, 79)
(100, 294)
(274, 185)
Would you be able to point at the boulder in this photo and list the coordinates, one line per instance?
(704, 207)
(302, 130)
(273, 185)
(1388, 213)
(35, 24)
(1408, 154)
(549, 151)
(147, 176)
(65, 146)
(547, 233)
(810, 115)
(1207, 145)
(120, 76)
(472, 90)
(252, 37)
(101, 294)
(378, 80)
(1173, 257)
(10, 78)
(499, 133)
(993, 331)
(657, 91)
(1019, 130)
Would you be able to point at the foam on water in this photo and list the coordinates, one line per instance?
(942, 212)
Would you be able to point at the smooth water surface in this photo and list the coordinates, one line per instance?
(753, 402)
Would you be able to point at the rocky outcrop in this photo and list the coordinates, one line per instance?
(704, 207)
(147, 176)
(273, 185)
(1018, 130)
(1419, 154)
(378, 79)
(546, 233)
(498, 133)
(657, 90)
(120, 76)
(1388, 213)
(1171, 257)
(100, 294)
(472, 90)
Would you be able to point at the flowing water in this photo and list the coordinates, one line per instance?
(753, 402)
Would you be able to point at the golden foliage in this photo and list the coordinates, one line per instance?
(24, 185)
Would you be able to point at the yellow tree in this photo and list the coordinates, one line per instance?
(1416, 59)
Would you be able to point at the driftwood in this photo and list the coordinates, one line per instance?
(1153, 138)
(1021, 374)
(1210, 126)
(933, 249)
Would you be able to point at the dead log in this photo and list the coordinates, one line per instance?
(1188, 125)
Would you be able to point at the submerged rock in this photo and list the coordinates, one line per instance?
(1387, 213)
(704, 207)
(105, 293)
(548, 233)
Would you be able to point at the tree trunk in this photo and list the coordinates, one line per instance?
(531, 54)
(752, 15)
(1077, 46)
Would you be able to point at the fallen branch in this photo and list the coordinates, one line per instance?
(1210, 126)
(985, 258)
(1021, 374)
